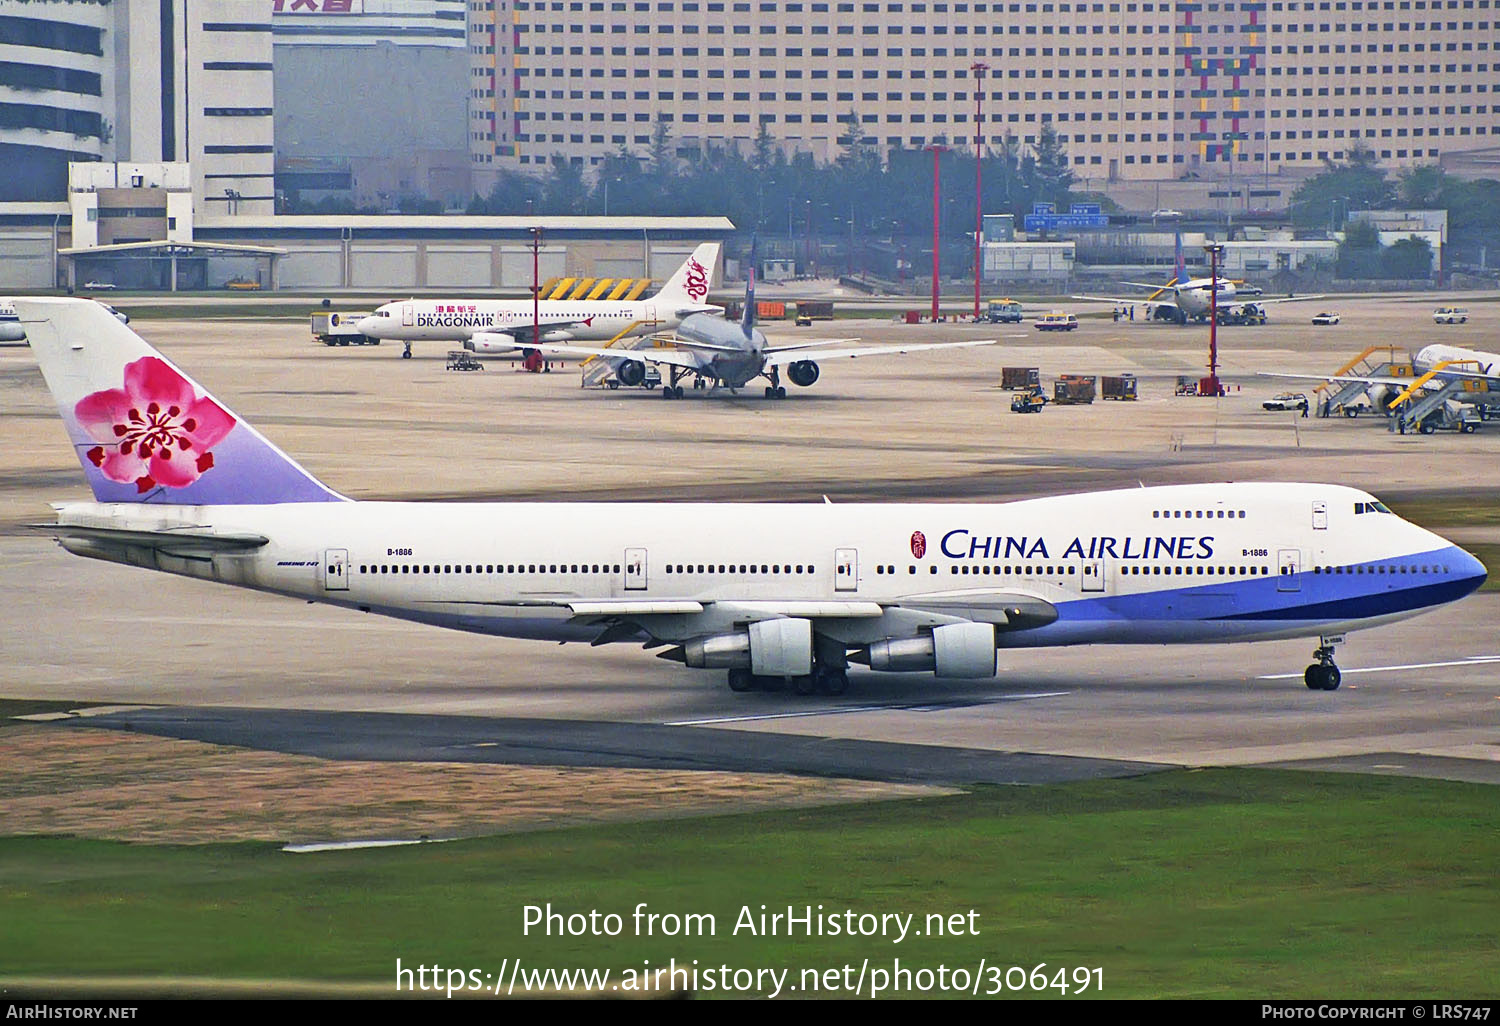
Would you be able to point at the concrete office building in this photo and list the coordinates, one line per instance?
(133, 81)
(1136, 90)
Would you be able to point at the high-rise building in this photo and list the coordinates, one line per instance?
(1135, 90)
(136, 81)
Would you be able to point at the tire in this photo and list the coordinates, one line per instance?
(1427, 427)
(1313, 677)
(741, 681)
(1331, 677)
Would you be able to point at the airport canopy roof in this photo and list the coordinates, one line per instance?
(165, 247)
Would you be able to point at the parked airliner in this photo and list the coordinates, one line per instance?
(503, 325)
(766, 592)
(718, 352)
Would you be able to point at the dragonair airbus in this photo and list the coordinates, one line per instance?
(504, 325)
(767, 592)
(717, 352)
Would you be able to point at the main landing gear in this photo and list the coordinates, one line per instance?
(672, 390)
(775, 390)
(824, 680)
(1323, 675)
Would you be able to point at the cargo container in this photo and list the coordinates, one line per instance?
(1020, 377)
(1074, 390)
(1120, 387)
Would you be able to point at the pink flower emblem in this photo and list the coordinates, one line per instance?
(156, 430)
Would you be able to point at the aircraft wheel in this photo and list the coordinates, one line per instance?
(406, 354)
(667, 392)
(741, 681)
(1313, 677)
(1331, 678)
(832, 681)
(780, 392)
(804, 684)
(770, 392)
(679, 391)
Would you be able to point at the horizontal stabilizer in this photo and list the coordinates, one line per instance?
(198, 543)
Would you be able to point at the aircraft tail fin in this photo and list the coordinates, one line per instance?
(747, 319)
(142, 429)
(689, 285)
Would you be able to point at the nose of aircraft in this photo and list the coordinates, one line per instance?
(369, 325)
(1470, 570)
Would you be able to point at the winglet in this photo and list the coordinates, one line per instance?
(143, 430)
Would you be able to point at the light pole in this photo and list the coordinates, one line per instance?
(536, 284)
(979, 68)
(937, 194)
(1214, 250)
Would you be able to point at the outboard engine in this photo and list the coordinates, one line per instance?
(768, 648)
(803, 372)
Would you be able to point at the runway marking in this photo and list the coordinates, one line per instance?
(1469, 661)
(835, 710)
(300, 849)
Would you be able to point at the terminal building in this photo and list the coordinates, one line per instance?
(1135, 90)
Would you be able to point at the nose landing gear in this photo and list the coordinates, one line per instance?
(1323, 675)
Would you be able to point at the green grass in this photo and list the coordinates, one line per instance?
(1190, 884)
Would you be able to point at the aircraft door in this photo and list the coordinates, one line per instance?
(1093, 575)
(408, 315)
(1320, 516)
(635, 569)
(845, 569)
(1289, 569)
(649, 317)
(336, 570)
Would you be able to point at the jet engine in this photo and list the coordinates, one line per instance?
(489, 342)
(631, 373)
(803, 372)
(769, 648)
(955, 650)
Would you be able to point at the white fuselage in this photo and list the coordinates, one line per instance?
(1471, 360)
(1195, 297)
(559, 320)
(1191, 563)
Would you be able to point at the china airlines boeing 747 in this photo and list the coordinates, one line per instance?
(766, 592)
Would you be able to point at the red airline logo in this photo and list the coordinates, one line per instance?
(697, 281)
(918, 544)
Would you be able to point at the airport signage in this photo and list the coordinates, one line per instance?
(1045, 218)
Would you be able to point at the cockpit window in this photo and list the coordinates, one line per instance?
(1371, 507)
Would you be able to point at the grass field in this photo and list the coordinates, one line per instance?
(1189, 884)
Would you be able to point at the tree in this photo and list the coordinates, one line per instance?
(1410, 257)
(1356, 184)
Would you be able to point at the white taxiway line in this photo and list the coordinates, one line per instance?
(837, 710)
(1470, 661)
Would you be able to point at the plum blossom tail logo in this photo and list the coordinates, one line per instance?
(155, 431)
(918, 544)
(697, 281)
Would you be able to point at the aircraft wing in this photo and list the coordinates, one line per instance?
(671, 357)
(792, 346)
(1148, 303)
(1257, 301)
(781, 359)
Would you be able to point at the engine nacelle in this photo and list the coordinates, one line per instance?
(956, 650)
(769, 648)
(781, 648)
(630, 373)
(489, 342)
(803, 372)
